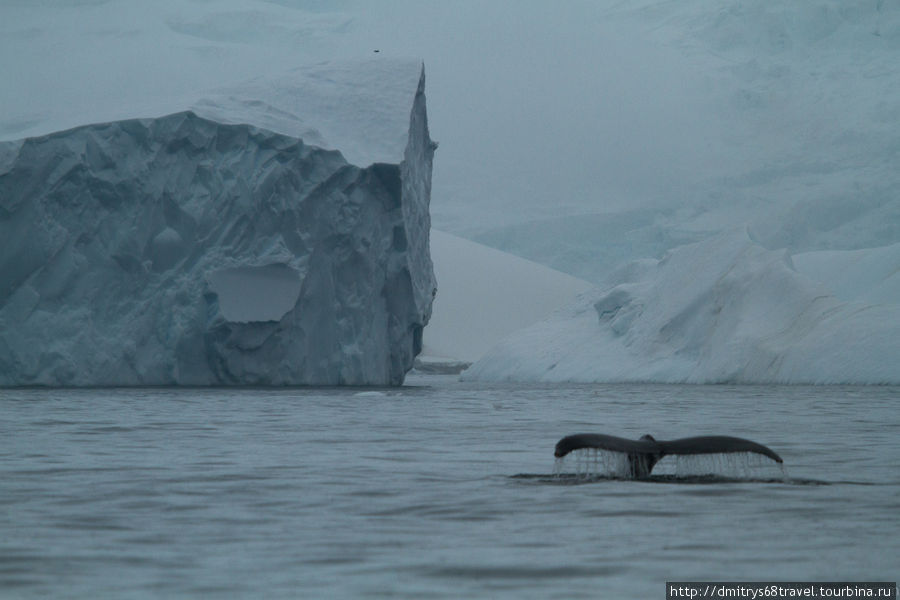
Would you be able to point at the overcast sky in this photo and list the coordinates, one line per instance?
(550, 105)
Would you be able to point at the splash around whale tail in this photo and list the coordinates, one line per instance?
(643, 454)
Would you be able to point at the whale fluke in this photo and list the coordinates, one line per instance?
(644, 453)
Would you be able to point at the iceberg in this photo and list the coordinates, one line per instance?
(725, 310)
(217, 246)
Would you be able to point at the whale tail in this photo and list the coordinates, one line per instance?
(643, 454)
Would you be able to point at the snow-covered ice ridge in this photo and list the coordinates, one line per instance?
(216, 245)
(725, 310)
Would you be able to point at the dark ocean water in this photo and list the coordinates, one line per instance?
(438, 489)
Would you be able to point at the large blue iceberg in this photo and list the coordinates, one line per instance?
(231, 243)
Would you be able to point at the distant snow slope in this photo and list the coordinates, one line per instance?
(484, 295)
(723, 310)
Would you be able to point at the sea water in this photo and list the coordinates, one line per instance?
(437, 489)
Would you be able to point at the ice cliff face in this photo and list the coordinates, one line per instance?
(184, 250)
(722, 310)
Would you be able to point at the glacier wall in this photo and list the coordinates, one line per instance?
(190, 251)
(725, 310)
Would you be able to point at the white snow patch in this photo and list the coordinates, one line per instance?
(485, 294)
(871, 275)
(360, 107)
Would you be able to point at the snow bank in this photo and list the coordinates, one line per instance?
(359, 107)
(722, 310)
(195, 248)
(870, 275)
(484, 295)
